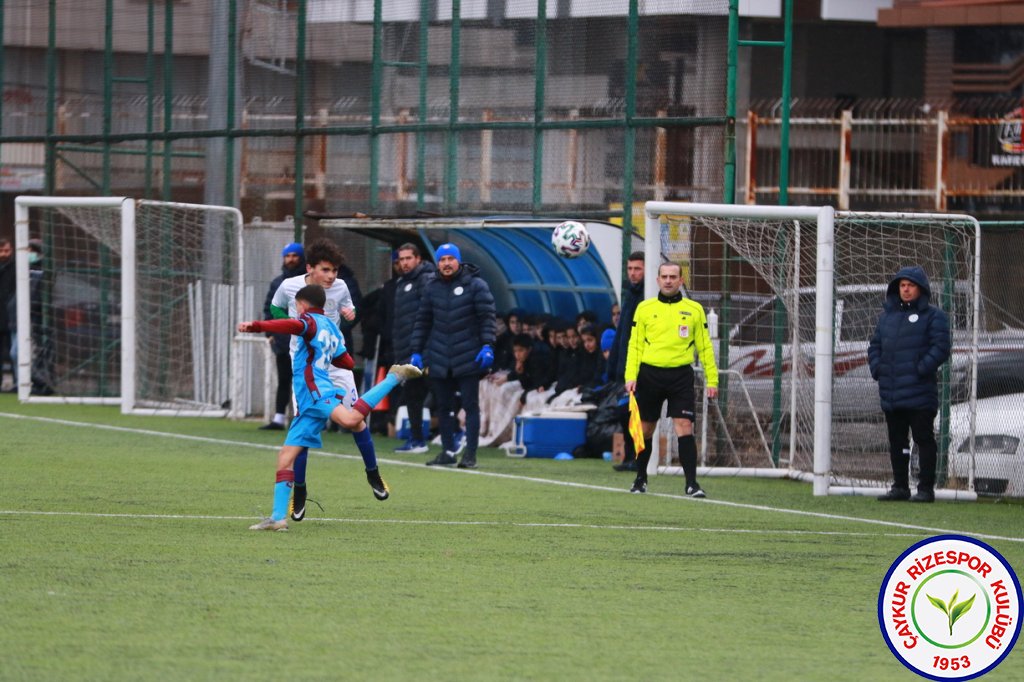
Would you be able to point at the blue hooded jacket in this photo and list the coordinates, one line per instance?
(909, 345)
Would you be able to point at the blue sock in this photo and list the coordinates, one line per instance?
(300, 467)
(365, 444)
(377, 393)
(282, 494)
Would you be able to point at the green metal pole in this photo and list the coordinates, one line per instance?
(787, 78)
(728, 197)
(300, 117)
(780, 319)
(147, 190)
(421, 137)
(229, 146)
(452, 168)
(731, 68)
(376, 90)
(540, 81)
(108, 91)
(629, 144)
(167, 189)
(51, 99)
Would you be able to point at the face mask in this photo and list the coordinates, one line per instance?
(33, 257)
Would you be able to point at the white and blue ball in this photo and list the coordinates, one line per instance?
(570, 239)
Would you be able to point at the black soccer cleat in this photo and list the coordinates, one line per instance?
(639, 484)
(445, 459)
(694, 490)
(380, 489)
(297, 506)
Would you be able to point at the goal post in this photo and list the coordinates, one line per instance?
(134, 303)
(800, 289)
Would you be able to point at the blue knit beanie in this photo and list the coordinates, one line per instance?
(294, 247)
(607, 339)
(448, 250)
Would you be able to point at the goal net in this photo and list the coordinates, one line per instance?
(130, 303)
(797, 292)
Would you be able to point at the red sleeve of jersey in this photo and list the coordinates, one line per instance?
(309, 322)
(344, 361)
(285, 326)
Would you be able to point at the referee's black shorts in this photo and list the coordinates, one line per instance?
(655, 385)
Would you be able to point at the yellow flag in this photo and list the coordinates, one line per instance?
(636, 431)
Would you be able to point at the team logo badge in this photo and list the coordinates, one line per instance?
(949, 608)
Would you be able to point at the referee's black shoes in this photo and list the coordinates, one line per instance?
(639, 484)
(694, 490)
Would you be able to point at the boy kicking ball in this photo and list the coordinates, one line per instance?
(320, 346)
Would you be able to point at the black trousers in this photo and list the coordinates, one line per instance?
(446, 402)
(284, 382)
(919, 423)
(413, 394)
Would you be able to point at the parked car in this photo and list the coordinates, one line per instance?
(998, 445)
(86, 317)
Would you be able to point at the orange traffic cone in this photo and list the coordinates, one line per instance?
(385, 404)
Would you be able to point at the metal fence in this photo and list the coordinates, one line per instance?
(411, 105)
(962, 156)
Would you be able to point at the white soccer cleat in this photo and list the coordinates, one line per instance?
(270, 524)
(404, 372)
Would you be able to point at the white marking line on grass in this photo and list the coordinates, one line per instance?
(567, 484)
(505, 524)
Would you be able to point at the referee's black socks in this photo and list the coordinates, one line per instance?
(688, 458)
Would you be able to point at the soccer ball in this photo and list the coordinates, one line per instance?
(570, 239)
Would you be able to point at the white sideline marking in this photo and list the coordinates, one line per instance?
(419, 522)
(515, 477)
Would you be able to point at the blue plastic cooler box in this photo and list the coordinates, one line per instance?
(545, 435)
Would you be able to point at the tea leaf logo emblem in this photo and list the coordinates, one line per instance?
(953, 610)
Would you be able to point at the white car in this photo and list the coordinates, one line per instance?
(998, 445)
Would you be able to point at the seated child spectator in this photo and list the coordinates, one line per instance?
(502, 394)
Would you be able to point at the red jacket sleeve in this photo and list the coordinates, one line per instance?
(344, 361)
(285, 326)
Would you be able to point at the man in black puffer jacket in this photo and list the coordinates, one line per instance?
(909, 345)
(416, 274)
(454, 337)
(293, 264)
(632, 294)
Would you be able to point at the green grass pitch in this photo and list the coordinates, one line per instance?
(126, 556)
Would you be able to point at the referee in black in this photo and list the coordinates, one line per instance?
(669, 333)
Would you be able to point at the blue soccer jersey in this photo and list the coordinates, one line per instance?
(315, 394)
(319, 343)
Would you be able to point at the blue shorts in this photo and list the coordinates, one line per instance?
(305, 429)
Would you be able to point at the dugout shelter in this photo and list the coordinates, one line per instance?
(515, 257)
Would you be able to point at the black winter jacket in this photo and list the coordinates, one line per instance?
(281, 341)
(631, 297)
(455, 320)
(7, 293)
(909, 345)
(408, 293)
